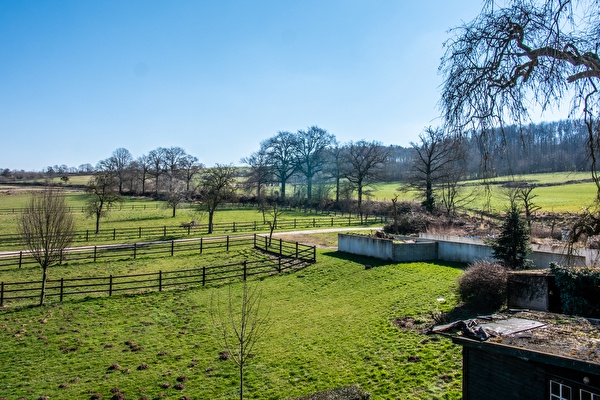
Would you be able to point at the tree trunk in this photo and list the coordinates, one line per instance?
(210, 221)
(44, 277)
(97, 222)
(174, 208)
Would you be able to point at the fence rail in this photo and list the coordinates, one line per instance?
(132, 233)
(19, 259)
(289, 255)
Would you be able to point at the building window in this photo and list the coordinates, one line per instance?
(585, 395)
(560, 391)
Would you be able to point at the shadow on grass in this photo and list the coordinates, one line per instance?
(376, 262)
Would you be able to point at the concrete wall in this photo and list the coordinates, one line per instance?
(430, 247)
(386, 249)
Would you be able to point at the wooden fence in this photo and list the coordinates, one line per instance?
(175, 231)
(289, 255)
(18, 259)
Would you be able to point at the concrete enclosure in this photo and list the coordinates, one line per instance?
(450, 248)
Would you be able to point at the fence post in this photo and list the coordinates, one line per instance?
(266, 244)
(134, 250)
(172, 247)
(200, 245)
(60, 257)
(95, 251)
(114, 233)
(2, 294)
(189, 229)
(227, 246)
(294, 223)
(110, 284)
(331, 221)
(314, 222)
(203, 276)
(254, 225)
(87, 235)
(233, 226)
(296, 249)
(255, 240)
(164, 230)
(140, 232)
(314, 254)
(279, 264)
(62, 288)
(349, 216)
(245, 270)
(20, 258)
(160, 281)
(280, 246)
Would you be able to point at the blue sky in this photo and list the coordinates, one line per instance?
(79, 79)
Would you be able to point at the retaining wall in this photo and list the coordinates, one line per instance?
(430, 247)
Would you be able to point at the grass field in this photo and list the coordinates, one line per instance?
(556, 192)
(331, 326)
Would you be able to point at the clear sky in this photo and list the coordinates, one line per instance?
(79, 79)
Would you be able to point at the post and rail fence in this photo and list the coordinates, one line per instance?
(287, 256)
(176, 231)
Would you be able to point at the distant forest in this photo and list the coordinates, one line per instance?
(536, 148)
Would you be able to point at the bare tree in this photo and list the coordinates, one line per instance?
(311, 146)
(540, 52)
(241, 326)
(363, 163)
(173, 159)
(118, 163)
(190, 167)
(437, 156)
(175, 195)
(260, 172)
(156, 160)
(334, 167)
(217, 185)
(46, 227)
(103, 192)
(142, 165)
(280, 151)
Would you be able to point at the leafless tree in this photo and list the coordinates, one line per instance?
(260, 172)
(173, 159)
(142, 165)
(156, 160)
(334, 167)
(240, 326)
(525, 55)
(103, 191)
(363, 163)
(217, 185)
(437, 160)
(119, 164)
(311, 146)
(175, 195)
(46, 227)
(280, 151)
(190, 167)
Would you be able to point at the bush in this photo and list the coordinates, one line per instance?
(483, 285)
(579, 290)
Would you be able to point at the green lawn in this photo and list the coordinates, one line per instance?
(331, 326)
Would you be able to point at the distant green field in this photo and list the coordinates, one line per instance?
(567, 196)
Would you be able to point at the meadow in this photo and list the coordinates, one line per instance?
(331, 325)
(555, 192)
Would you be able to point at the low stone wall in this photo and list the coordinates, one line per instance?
(400, 250)
(430, 247)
